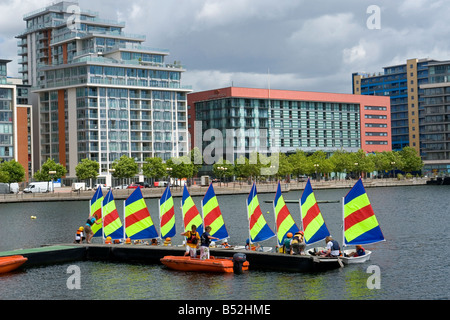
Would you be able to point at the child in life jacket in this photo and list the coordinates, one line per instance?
(79, 236)
(192, 241)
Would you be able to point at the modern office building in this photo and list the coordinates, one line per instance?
(290, 120)
(15, 121)
(402, 84)
(101, 94)
(436, 123)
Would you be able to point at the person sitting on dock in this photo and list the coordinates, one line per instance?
(205, 242)
(298, 243)
(287, 243)
(192, 241)
(360, 251)
(167, 242)
(79, 236)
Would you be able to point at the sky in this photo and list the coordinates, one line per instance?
(285, 44)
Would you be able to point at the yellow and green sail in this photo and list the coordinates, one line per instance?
(360, 224)
(138, 222)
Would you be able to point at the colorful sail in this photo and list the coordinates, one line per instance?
(212, 215)
(283, 219)
(360, 224)
(138, 222)
(191, 216)
(96, 210)
(112, 226)
(167, 214)
(314, 226)
(259, 229)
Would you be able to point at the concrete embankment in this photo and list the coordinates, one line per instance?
(66, 194)
(71, 253)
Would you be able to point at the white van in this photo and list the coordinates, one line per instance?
(79, 186)
(38, 187)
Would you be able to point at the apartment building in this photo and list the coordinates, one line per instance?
(291, 120)
(100, 93)
(15, 121)
(402, 84)
(436, 122)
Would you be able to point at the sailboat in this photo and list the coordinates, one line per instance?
(314, 226)
(167, 215)
(259, 230)
(212, 216)
(360, 225)
(191, 215)
(283, 219)
(112, 226)
(138, 222)
(95, 209)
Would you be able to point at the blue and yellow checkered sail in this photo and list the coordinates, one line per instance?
(314, 226)
(283, 218)
(96, 210)
(360, 224)
(259, 229)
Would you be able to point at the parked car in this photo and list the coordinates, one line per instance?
(134, 186)
(101, 185)
(122, 186)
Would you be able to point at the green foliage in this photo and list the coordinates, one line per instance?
(182, 167)
(87, 169)
(125, 167)
(154, 168)
(11, 171)
(50, 165)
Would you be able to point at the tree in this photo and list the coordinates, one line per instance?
(182, 167)
(87, 169)
(340, 161)
(124, 168)
(12, 171)
(50, 165)
(299, 163)
(411, 160)
(223, 168)
(154, 168)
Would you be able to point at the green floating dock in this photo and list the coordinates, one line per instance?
(56, 254)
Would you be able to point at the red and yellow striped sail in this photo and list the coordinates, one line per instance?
(191, 216)
(360, 224)
(112, 226)
(138, 222)
(259, 229)
(96, 210)
(314, 226)
(212, 215)
(167, 214)
(283, 218)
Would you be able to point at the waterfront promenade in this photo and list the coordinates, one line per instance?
(66, 193)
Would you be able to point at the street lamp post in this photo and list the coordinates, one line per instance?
(52, 173)
(393, 169)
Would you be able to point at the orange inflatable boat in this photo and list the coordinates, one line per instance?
(11, 263)
(213, 264)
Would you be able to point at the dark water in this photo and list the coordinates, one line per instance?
(413, 262)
